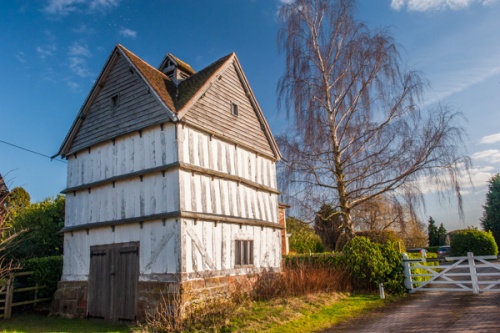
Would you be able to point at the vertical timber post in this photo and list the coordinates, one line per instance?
(473, 273)
(8, 297)
(407, 273)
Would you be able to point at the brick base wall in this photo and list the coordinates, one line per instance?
(70, 299)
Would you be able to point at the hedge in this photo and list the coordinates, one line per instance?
(46, 271)
(479, 242)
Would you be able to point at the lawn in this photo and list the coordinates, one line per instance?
(35, 323)
(293, 314)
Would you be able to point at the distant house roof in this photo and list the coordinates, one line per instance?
(176, 98)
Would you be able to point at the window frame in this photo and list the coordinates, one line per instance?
(243, 253)
(234, 109)
(114, 101)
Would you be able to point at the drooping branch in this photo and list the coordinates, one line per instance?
(358, 132)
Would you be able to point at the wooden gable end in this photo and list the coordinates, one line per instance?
(214, 113)
(123, 104)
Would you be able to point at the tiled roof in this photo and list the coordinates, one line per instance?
(183, 65)
(160, 82)
(175, 97)
(188, 88)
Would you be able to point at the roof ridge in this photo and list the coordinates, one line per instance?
(156, 79)
(189, 87)
(123, 48)
(182, 63)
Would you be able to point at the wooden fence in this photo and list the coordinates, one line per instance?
(8, 290)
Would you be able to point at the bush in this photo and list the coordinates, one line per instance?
(302, 239)
(332, 260)
(42, 222)
(381, 237)
(432, 249)
(46, 271)
(375, 236)
(303, 277)
(370, 264)
(476, 241)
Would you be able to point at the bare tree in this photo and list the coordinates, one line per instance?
(380, 213)
(358, 131)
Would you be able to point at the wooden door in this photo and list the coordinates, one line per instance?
(113, 277)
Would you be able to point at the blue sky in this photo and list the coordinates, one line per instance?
(53, 50)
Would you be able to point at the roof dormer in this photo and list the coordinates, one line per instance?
(176, 69)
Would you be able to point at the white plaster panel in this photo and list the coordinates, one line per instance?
(129, 198)
(158, 252)
(129, 153)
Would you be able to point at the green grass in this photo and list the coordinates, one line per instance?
(34, 323)
(302, 314)
(328, 316)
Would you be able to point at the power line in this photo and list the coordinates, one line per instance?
(32, 151)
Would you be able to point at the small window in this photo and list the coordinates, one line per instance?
(243, 252)
(115, 101)
(234, 109)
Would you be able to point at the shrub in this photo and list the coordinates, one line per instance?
(302, 239)
(46, 271)
(42, 221)
(370, 264)
(382, 237)
(476, 241)
(333, 260)
(432, 249)
(302, 277)
(375, 236)
(394, 279)
(365, 262)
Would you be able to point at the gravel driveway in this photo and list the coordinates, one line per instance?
(432, 312)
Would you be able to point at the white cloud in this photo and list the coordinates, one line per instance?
(428, 5)
(466, 77)
(73, 85)
(62, 7)
(65, 7)
(77, 53)
(84, 29)
(78, 49)
(490, 155)
(494, 138)
(21, 57)
(103, 4)
(45, 51)
(79, 66)
(128, 33)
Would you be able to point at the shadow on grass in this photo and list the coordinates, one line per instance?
(34, 323)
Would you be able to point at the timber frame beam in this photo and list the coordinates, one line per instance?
(174, 166)
(177, 214)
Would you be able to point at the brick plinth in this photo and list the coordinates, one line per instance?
(70, 299)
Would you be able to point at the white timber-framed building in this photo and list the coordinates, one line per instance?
(171, 186)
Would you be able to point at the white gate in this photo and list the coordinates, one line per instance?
(469, 273)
